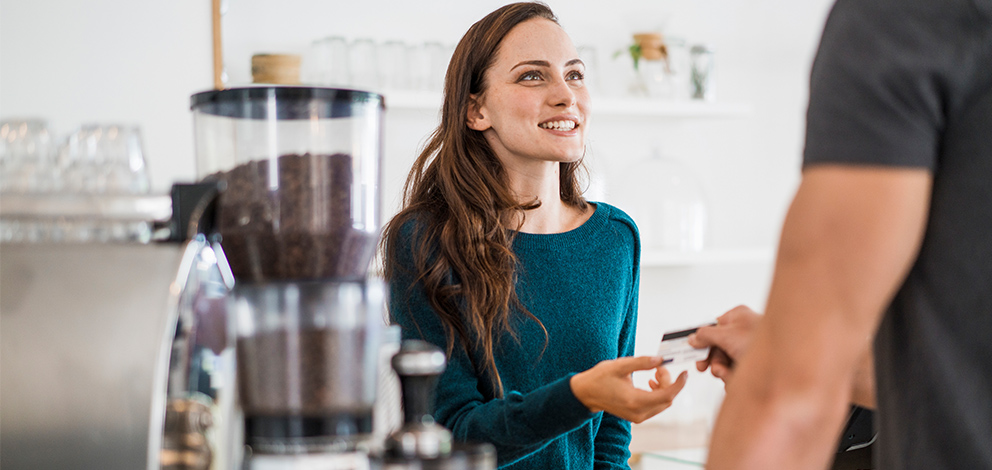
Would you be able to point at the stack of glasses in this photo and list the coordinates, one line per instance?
(96, 163)
(365, 64)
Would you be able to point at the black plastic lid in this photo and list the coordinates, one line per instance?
(292, 102)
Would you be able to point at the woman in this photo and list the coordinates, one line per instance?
(497, 258)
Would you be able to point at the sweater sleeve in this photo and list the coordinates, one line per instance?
(518, 424)
(612, 441)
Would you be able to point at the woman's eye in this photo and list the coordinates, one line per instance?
(530, 76)
(575, 75)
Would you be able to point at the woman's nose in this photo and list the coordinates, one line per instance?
(562, 94)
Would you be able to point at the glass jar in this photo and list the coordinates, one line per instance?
(701, 72)
(301, 167)
(307, 356)
(667, 202)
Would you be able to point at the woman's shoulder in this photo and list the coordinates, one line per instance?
(403, 235)
(616, 218)
(408, 224)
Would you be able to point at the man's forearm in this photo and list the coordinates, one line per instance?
(848, 241)
(863, 386)
(785, 407)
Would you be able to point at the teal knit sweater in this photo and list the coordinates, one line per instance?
(583, 286)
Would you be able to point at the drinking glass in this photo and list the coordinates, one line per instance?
(420, 66)
(105, 159)
(327, 62)
(26, 156)
(437, 63)
(679, 68)
(26, 166)
(101, 158)
(364, 64)
(393, 68)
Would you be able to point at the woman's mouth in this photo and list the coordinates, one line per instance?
(565, 125)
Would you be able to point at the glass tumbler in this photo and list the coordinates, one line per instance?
(393, 70)
(105, 159)
(327, 62)
(26, 166)
(27, 162)
(364, 63)
(437, 63)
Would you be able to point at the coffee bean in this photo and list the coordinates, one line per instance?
(294, 225)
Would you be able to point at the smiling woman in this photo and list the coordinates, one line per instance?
(535, 110)
(498, 258)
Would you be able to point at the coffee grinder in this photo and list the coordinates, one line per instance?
(246, 334)
(297, 219)
(296, 222)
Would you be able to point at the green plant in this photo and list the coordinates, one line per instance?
(635, 53)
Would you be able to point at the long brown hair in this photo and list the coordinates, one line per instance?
(458, 195)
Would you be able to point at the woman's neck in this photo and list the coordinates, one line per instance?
(541, 182)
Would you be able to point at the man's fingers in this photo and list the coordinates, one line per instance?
(707, 336)
(721, 372)
(735, 314)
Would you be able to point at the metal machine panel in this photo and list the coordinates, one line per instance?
(84, 348)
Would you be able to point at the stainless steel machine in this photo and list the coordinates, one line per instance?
(247, 335)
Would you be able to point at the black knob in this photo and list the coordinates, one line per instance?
(418, 364)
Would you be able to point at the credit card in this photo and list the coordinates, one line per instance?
(675, 347)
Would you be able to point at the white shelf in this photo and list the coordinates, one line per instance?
(662, 258)
(671, 109)
(412, 100)
(619, 107)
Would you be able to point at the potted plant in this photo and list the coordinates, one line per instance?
(653, 76)
(647, 46)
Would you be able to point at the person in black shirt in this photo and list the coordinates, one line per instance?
(888, 240)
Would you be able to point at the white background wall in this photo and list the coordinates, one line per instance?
(73, 62)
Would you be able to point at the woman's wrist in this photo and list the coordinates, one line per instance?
(579, 383)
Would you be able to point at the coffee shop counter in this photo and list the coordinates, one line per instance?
(667, 446)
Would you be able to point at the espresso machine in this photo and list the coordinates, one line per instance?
(247, 334)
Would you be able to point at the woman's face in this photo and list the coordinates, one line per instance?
(536, 105)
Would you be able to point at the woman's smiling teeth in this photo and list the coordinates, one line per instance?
(558, 125)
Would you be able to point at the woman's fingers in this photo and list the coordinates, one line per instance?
(644, 404)
(629, 365)
(662, 376)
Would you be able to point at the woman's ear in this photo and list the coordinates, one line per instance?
(475, 119)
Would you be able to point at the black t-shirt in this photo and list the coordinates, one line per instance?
(908, 83)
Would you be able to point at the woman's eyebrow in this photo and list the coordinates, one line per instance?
(539, 63)
(544, 63)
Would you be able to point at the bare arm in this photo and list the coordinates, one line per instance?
(863, 388)
(847, 242)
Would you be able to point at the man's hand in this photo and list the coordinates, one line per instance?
(608, 387)
(728, 340)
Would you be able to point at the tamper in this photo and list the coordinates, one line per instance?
(418, 365)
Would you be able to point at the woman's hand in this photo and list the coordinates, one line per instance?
(608, 387)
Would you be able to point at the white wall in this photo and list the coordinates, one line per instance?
(111, 61)
(125, 61)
